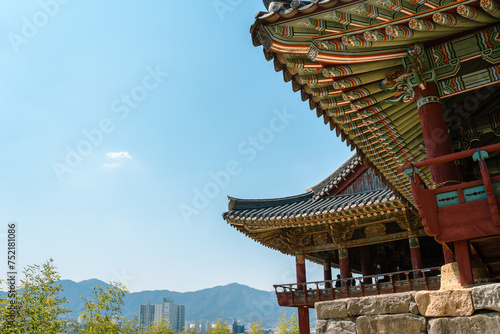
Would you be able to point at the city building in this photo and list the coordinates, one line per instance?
(174, 314)
(204, 326)
(147, 314)
(238, 329)
(201, 326)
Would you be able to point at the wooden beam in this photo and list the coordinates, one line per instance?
(449, 157)
(362, 242)
(448, 257)
(462, 254)
(494, 238)
(491, 260)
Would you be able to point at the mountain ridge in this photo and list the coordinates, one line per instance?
(230, 301)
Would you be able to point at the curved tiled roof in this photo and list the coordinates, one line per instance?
(287, 9)
(305, 207)
(245, 204)
(336, 177)
(315, 192)
(312, 202)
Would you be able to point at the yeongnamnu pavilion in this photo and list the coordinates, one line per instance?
(411, 86)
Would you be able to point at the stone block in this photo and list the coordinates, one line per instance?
(486, 297)
(335, 326)
(383, 304)
(321, 326)
(450, 279)
(413, 307)
(448, 303)
(486, 323)
(391, 324)
(335, 309)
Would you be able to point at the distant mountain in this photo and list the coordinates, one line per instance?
(72, 292)
(232, 301)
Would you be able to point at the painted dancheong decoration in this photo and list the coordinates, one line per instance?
(411, 86)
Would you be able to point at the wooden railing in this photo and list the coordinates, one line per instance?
(449, 157)
(308, 293)
(447, 212)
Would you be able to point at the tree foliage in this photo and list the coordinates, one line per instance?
(189, 331)
(39, 306)
(288, 326)
(161, 327)
(132, 326)
(219, 327)
(255, 328)
(102, 312)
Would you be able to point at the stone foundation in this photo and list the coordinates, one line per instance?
(450, 279)
(469, 310)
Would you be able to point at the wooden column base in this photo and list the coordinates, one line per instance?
(462, 254)
(303, 320)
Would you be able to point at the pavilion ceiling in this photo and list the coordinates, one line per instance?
(350, 61)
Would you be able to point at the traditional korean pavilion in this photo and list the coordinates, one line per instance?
(411, 86)
(350, 214)
(350, 221)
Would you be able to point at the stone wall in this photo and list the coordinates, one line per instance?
(468, 311)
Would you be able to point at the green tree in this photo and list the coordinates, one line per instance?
(101, 311)
(189, 331)
(288, 326)
(255, 328)
(38, 303)
(219, 328)
(162, 327)
(132, 326)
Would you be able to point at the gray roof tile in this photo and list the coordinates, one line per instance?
(309, 206)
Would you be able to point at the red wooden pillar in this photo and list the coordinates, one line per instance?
(327, 271)
(416, 256)
(345, 269)
(438, 143)
(300, 266)
(437, 140)
(303, 311)
(462, 254)
(366, 265)
(303, 320)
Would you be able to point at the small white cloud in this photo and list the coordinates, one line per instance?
(118, 155)
(113, 165)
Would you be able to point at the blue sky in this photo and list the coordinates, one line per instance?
(115, 114)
